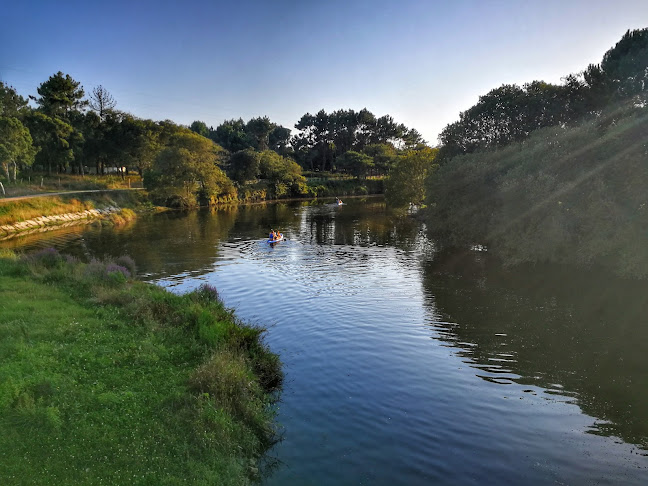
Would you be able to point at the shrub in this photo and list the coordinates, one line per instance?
(206, 293)
(48, 257)
(229, 381)
(127, 262)
(105, 273)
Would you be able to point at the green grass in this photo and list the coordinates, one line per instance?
(105, 380)
(30, 183)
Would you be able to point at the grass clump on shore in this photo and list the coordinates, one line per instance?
(106, 380)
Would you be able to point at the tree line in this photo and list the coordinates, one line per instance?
(510, 113)
(63, 130)
(544, 173)
(324, 141)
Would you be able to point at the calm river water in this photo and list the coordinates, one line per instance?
(408, 365)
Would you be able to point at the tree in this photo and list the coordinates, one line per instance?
(145, 137)
(15, 145)
(101, 101)
(365, 129)
(231, 135)
(323, 138)
(279, 139)
(315, 143)
(94, 149)
(406, 182)
(11, 103)
(244, 165)
(200, 128)
(504, 115)
(304, 141)
(383, 155)
(284, 174)
(356, 163)
(186, 173)
(59, 95)
(51, 136)
(625, 66)
(259, 130)
(412, 139)
(343, 125)
(386, 130)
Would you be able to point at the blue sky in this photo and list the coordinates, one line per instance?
(423, 62)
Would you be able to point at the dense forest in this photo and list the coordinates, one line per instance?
(552, 173)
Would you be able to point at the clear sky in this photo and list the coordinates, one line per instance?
(423, 62)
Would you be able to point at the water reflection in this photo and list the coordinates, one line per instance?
(363, 223)
(571, 335)
(352, 298)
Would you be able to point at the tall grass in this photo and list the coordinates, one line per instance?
(107, 380)
(36, 182)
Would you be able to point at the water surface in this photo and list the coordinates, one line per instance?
(409, 365)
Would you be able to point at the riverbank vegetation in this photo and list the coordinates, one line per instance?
(67, 132)
(17, 211)
(36, 182)
(547, 173)
(108, 380)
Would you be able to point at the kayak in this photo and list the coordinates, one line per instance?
(281, 238)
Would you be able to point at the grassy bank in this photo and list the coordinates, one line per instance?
(573, 195)
(31, 183)
(106, 380)
(25, 209)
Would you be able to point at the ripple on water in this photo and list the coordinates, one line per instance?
(394, 374)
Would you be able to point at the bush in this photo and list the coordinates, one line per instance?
(206, 294)
(48, 258)
(128, 263)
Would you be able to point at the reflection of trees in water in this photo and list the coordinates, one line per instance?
(574, 334)
(256, 220)
(167, 243)
(188, 242)
(32, 240)
(361, 224)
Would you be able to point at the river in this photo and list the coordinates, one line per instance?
(408, 364)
